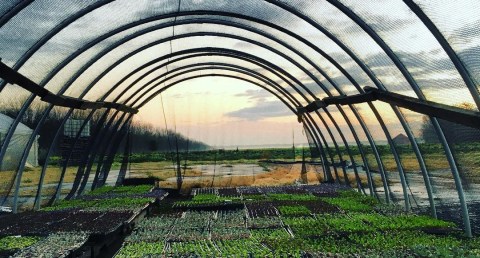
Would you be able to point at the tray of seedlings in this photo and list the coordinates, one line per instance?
(155, 193)
(148, 238)
(116, 204)
(211, 190)
(81, 225)
(255, 198)
(142, 249)
(95, 222)
(294, 211)
(229, 225)
(260, 209)
(295, 190)
(71, 244)
(202, 248)
(314, 206)
(12, 244)
(193, 225)
(320, 207)
(242, 248)
(44, 223)
(210, 202)
(325, 190)
(151, 230)
(228, 192)
(249, 190)
(30, 223)
(266, 218)
(289, 222)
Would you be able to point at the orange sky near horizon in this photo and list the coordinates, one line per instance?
(202, 109)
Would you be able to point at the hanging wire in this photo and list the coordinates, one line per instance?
(214, 168)
(177, 154)
(161, 98)
(168, 133)
(186, 158)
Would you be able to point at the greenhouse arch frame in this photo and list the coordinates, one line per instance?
(303, 58)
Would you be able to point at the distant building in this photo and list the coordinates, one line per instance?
(401, 139)
(72, 148)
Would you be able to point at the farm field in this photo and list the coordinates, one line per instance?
(197, 167)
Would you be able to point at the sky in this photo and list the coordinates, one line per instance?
(226, 112)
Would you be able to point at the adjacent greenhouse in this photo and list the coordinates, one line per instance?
(386, 94)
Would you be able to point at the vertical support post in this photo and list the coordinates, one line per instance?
(117, 140)
(456, 177)
(326, 168)
(376, 154)
(346, 181)
(349, 151)
(421, 162)
(125, 160)
(401, 173)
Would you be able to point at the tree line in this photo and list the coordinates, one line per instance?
(144, 138)
(147, 139)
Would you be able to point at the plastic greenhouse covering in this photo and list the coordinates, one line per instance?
(389, 87)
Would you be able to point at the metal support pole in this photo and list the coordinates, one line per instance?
(38, 197)
(105, 134)
(107, 142)
(346, 181)
(326, 151)
(399, 64)
(461, 67)
(23, 160)
(100, 128)
(110, 157)
(398, 162)
(421, 161)
(125, 160)
(456, 178)
(383, 175)
(349, 151)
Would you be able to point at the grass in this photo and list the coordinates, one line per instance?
(409, 161)
(160, 170)
(467, 158)
(31, 177)
(278, 175)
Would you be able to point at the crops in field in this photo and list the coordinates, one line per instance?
(285, 221)
(292, 222)
(59, 230)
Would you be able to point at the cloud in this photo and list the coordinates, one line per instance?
(254, 94)
(467, 33)
(421, 65)
(261, 110)
(347, 26)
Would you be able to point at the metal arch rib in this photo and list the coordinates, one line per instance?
(416, 88)
(462, 70)
(379, 85)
